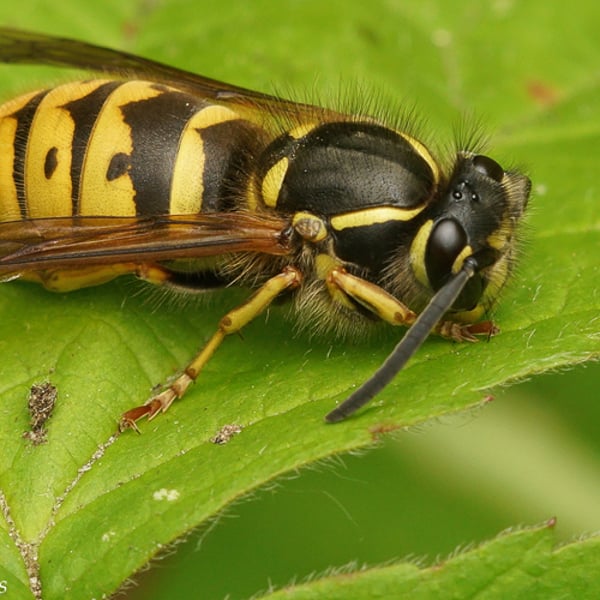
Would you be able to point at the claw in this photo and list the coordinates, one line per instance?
(128, 419)
(487, 328)
(153, 407)
(460, 332)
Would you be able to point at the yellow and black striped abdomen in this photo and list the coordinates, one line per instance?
(119, 148)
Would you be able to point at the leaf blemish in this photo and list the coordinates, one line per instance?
(165, 494)
(42, 399)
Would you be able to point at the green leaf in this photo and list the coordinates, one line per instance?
(520, 564)
(85, 510)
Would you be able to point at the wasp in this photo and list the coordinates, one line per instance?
(195, 184)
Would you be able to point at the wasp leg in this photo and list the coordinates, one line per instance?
(371, 296)
(391, 310)
(67, 280)
(232, 322)
(465, 332)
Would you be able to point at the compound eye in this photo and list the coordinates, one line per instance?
(488, 167)
(446, 242)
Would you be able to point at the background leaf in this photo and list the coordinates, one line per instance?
(105, 348)
(520, 564)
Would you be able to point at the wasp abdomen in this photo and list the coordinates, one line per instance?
(120, 149)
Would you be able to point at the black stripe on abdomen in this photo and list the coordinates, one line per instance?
(156, 125)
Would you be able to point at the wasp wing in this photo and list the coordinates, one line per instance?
(70, 242)
(23, 47)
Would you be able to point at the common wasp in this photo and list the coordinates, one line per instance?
(187, 182)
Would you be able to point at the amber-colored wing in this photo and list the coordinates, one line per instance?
(70, 242)
(23, 47)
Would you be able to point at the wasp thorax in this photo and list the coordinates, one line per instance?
(346, 166)
(365, 181)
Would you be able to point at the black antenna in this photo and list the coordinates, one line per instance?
(409, 344)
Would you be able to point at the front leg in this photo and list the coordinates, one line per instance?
(371, 296)
(465, 332)
(394, 312)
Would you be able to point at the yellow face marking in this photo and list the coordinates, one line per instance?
(417, 252)
(111, 137)
(187, 187)
(458, 261)
(372, 216)
(9, 205)
(469, 316)
(497, 240)
(272, 182)
(498, 275)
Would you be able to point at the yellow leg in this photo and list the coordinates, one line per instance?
(392, 311)
(232, 322)
(67, 280)
(372, 297)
